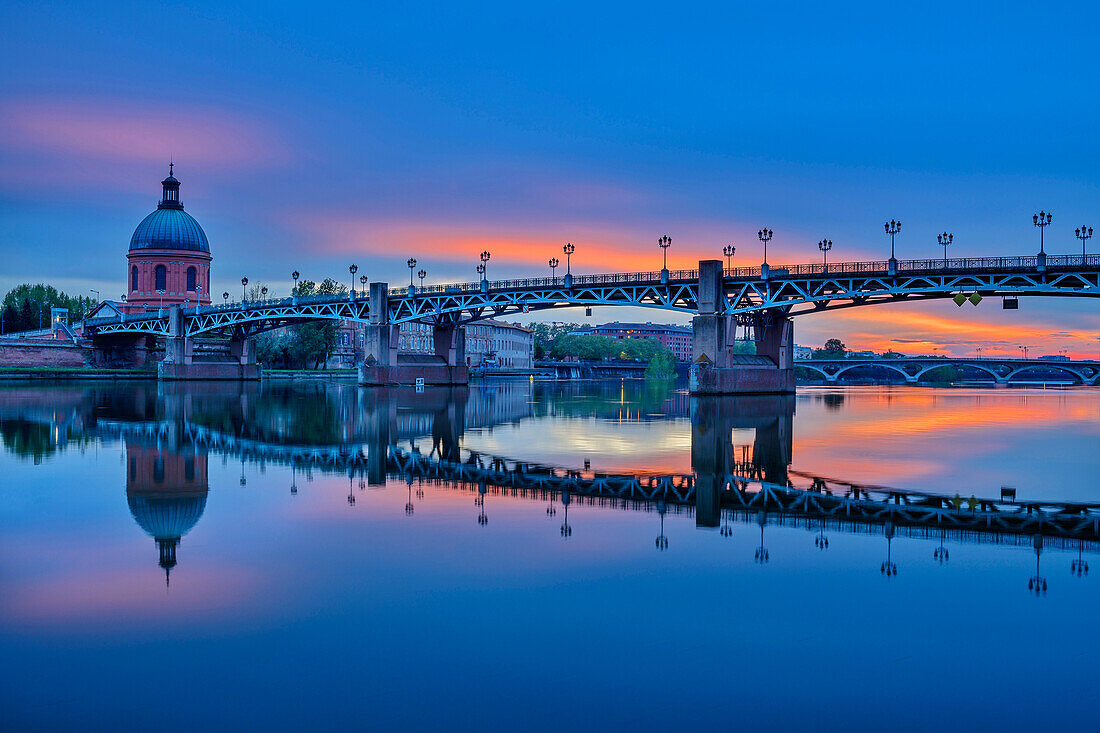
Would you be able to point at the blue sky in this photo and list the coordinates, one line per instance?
(311, 137)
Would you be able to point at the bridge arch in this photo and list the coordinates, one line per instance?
(979, 367)
(1075, 373)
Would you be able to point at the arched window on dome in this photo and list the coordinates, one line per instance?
(133, 278)
(190, 279)
(161, 276)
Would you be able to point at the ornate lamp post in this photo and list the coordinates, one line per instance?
(481, 271)
(553, 268)
(568, 249)
(765, 236)
(1084, 234)
(664, 243)
(363, 284)
(263, 292)
(225, 297)
(1041, 220)
(353, 269)
(944, 240)
(485, 255)
(1023, 349)
(244, 284)
(825, 245)
(892, 228)
(159, 310)
(729, 250)
(410, 263)
(422, 274)
(295, 275)
(198, 303)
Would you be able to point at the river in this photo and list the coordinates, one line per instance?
(543, 555)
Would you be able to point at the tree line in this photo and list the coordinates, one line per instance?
(303, 345)
(27, 307)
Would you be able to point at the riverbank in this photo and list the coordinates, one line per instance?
(81, 373)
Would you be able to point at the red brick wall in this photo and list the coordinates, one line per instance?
(43, 353)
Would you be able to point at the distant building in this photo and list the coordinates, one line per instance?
(676, 339)
(503, 345)
(861, 355)
(803, 352)
(488, 343)
(1053, 357)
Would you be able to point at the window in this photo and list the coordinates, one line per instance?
(190, 279)
(161, 277)
(133, 278)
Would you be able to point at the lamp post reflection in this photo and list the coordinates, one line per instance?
(1079, 567)
(662, 540)
(479, 501)
(888, 567)
(1037, 584)
(821, 542)
(566, 530)
(409, 508)
(940, 554)
(761, 555)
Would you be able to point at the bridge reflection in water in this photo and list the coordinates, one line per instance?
(374, 436)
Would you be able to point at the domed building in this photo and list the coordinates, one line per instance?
(169, 257)
(166, 492)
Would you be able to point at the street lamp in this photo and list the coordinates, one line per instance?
(568, 249)
(481, 271)
(729, 251)
(1024, 349)
(892, 228)
(945, 239)
(198, 302)
(421, 274)
(363, 282)
(484, 258)
(1041, 220)
(159, 292)
(225, 297)
(410, 263)
(263, 292)
(825, 245)
(765, 236)
(244, 284)
(1084, 234)
(664, 243)
(295, 275)
(353, 269)
(553, 268)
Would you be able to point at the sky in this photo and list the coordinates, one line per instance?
(310, 137)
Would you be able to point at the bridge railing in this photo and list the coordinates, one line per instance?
(930, 266)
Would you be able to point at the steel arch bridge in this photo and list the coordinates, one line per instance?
(792, 290)
(1001, 371)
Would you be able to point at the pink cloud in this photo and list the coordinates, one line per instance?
(123, 131)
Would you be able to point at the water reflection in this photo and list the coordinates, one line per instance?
(740, 458)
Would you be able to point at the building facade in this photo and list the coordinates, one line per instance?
(498, 344)
(676, 339)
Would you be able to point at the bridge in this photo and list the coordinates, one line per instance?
(763, 299)
(912, 370)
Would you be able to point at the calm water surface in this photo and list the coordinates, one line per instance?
(317, 556)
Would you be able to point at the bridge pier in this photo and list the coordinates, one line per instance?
(716, 369)
(383, 364)
(179, 361)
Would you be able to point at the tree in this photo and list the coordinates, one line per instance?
(833, 349)
(547, 335)
(303, 345)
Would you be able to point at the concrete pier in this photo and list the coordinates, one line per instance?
(384, 366)
(179, 361)
(716, 369)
